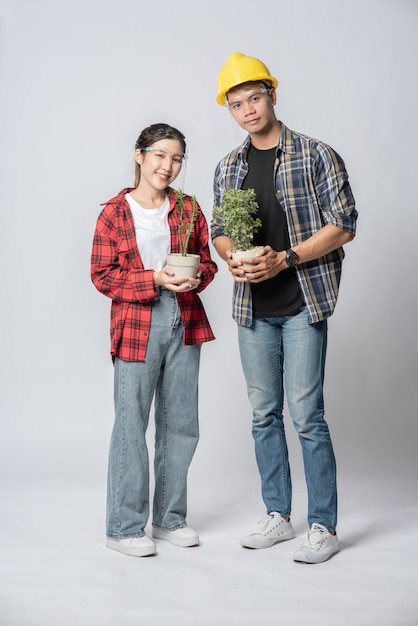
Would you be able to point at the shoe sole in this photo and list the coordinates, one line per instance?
(312, 561)
(268, 543)
(113, 544)
(180, 543)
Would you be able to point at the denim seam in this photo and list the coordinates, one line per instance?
(176, 319)
(164, 470)
(122, 446)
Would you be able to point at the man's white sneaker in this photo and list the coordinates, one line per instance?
(272, 529)
(319, 545)
(182, 537)
(132, 546)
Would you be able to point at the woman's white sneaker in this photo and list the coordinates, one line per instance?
(132, 546)
(272, 529)
(182, 537)
(319, 545)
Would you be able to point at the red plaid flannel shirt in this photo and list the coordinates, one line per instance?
(117, 272)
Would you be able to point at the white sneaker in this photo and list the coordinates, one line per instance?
(182, 537)
(272, 529)
(319, 545)
(132, 546)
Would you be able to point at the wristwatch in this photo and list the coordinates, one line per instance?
(292, 258)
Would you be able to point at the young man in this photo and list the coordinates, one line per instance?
(284, 295)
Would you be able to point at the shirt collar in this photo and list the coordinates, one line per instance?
(286, 143)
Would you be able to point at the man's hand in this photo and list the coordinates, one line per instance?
(266, 264)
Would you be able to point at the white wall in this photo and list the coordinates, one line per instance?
(79, 80)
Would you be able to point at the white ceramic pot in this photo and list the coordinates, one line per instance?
(246, 254)
(183, 266)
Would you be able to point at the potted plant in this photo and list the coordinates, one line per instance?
(237, 212)
(184, 263)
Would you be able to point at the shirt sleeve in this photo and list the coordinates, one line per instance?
(333, 190)
(113, 260)
(216, 228)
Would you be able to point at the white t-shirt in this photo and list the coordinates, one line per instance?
(152, 233)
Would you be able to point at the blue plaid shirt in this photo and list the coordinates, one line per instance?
(311, 184)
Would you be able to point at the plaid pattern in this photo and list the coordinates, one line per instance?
(311, 184)
(117, 272)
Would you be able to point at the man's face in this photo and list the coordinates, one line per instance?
(252, 107)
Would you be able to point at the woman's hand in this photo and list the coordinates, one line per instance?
(165, 278)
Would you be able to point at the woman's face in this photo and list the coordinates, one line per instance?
(160, 163)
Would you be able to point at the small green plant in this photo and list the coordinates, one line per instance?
(237, 210)
(186, 222)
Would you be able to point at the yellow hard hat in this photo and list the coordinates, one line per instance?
(240, 69)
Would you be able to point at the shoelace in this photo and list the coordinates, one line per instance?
(316, 536)
(265, 522)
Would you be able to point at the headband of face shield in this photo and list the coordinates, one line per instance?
(265, 88)
(175, 157)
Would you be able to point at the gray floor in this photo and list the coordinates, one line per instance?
(55, 569)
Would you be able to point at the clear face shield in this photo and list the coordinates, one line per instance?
(246, 97)
(173, 158)
(164, 155)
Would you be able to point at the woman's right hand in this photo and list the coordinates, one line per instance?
(165, 278)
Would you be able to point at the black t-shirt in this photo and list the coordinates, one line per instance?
(280, 295)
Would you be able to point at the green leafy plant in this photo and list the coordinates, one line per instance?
(186, 221)
(237, 210)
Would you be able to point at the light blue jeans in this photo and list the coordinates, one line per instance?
(170, 371)
(287, 355)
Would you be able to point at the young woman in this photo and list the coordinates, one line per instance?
(157, 326)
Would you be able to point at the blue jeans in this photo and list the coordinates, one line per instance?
(169, 376)
(287, 355)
